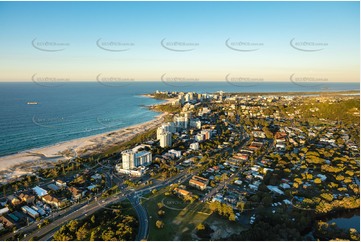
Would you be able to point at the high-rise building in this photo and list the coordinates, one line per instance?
(170, 127)
(165, 139)
(180, 122)
(160, 130)
(166, 127)
(188, 97)
(181, 98)
(188, 115)
(132, 158)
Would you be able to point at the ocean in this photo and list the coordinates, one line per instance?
(71, 110)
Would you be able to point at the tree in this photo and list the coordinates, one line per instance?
(161, 213)
(200, 227)
(213, 206)
(93, 236)
(327, 196)
(340, 178)
(73, 225)
(160, 205)
(232, 217)
(82, 233)
(93, 219)
(159, 224)
(267, 200)
(108, 235)
(240, 205)
(46, 221)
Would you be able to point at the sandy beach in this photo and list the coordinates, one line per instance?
(27, 162)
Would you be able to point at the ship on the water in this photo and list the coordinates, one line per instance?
(32, 103)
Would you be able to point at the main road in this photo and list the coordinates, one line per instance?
(83, 210)
(142, 217)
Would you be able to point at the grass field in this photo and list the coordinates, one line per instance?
(181, 219)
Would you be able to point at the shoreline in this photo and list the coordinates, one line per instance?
(27, 161)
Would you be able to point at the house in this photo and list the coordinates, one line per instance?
(255, 145)
(96, 177)
(259, 134)
(194, 146)
(27, 198)
(60, 183)
(6, 222)
(13, 200)
(181, 192)
(76, 193)
(241, 156)
(238, 182)
(322, 177)
(39, 210)
(52, 201)
(285, 186)
(199, 182)
(231, 199)
(31, 212)
(40, 191)
(91, 187)
(176, 153)
(4, 211)
(281, 145)
(280, 135)
(275, 189)
(53, 187)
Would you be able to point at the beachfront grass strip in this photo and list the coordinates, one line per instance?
(147, 135)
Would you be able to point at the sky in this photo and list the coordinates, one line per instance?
(208, 41)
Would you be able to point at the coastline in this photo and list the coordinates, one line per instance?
(28, 161)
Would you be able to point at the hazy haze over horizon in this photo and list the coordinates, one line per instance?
(207, 41)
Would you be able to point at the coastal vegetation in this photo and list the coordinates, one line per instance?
(107, 224)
